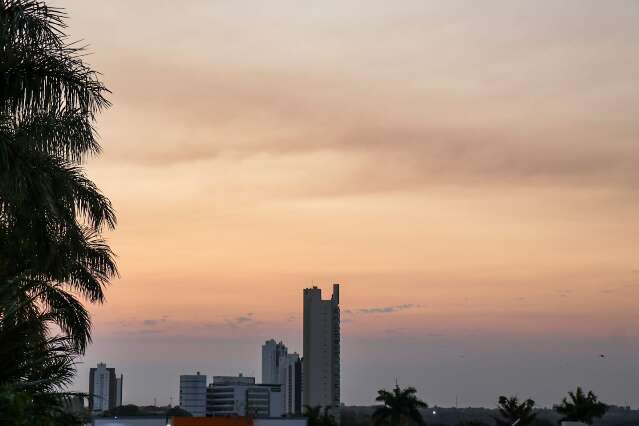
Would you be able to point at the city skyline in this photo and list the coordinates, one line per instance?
(467, 171)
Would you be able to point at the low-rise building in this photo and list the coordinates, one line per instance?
(193, 394)
(241, 396)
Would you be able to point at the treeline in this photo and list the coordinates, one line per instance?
(403, 407)
(132, 410)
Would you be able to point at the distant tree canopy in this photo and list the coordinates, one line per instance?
(401, 407)
(123, 410)
(318, 417)
(132, 410)
(581, 407)
(178, 412)
(513, 410)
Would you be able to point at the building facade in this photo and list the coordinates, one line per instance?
(118, 390)
(273, 354)
(321, 364)
(193, 394)
(241, 396)
(105, 389)
(292, 386)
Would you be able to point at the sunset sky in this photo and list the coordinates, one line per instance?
(468, 171)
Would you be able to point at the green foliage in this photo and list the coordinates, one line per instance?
(51, 214)
(401, 406)
(512, 410)
(317, 417)
(132, 410)
(123, 410)
(581, 407)
(178, 412)
(21, 408)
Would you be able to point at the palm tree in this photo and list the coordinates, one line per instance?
(581, 407)
(51, 214)
(34, 368)
(328, 419)
(401, 406)
(313, 415)
(318, 417)
(512, 412)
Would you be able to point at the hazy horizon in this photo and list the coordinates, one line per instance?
(467, 171)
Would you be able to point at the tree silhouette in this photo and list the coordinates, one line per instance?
(34, 368)
(401, 406)
(51, 214)
(313, 415)
(581, 407)
(327, 419)
(512, 412)
(178, 412)
(318, 417)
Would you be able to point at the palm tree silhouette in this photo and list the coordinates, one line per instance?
(313, 414)
(316, 417)
(513, 412)
(581, 407)
(51, 214)
(400, 407)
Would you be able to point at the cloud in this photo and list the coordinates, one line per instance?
(154, 321)
(387, 309)
(242, 320)
(533, 127)
(385, 149)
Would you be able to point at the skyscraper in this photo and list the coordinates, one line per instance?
(321, 364)
(105, 390)
(280, 367)
(118, 391)
(273, 354)
(193, 394)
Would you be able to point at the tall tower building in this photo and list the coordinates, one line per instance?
(105, 390)
(321, 372)
(118, 391)
(193, 394)
(273, 355)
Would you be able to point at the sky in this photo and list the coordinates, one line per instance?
(466, 170)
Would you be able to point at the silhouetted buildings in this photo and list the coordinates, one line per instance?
(288, 381)
(292, 386)
(193, 393)
(241, 396)
(105, 389)
(280, 367)
(273, 354)
(321, 364)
